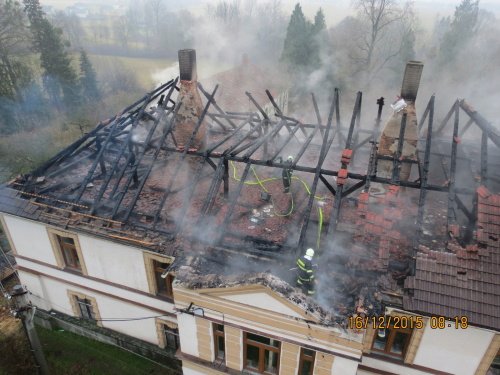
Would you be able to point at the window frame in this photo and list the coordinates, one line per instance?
(85, 308)
(161, 327)
(150, 261)
(217, 335)
(303, 356)
(495, 363)
(76, 301)
(262, 349)
(391, 335)
(60, 249)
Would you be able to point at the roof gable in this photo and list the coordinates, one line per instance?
(259, 297)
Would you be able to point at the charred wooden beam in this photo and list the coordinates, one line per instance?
(445, 120)
(322, 156)
(371, 170)
(327, 184)
(304, 146)
(461, 205)
(151, 164)
(93, 167)
(226, 178)
(452, 205)
(318, 115)
(353, 188)
(484, 158)
(287, 140)
(212, 147)
(183, 156)
(232, 203)
(136, 162)
(481, 122)
(218, 108)
(220, 174)
(218, 122)
(116, 161)
(466, 127)
(262, 112)
(264, 140)
(277, 109)
(396, 164)
(424, 175)
(235, 150)
(424, 116)
(334, 216)
(326, 172)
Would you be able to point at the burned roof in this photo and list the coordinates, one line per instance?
(177, 174)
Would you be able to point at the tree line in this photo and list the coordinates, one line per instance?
(41, 85)
(38, 77)
(374, 44)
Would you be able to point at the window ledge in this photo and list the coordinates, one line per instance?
(74, 271)
(163, 298)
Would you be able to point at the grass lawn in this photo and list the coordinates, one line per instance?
(68, 353)
(142, 68)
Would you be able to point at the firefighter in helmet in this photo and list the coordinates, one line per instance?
(305, 274)
(287, 175)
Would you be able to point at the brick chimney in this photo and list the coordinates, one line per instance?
(192, 107)
(390, 136)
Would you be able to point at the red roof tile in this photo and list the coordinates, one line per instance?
(465, 281)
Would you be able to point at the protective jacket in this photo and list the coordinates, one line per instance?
(287, 177)
(305, 277)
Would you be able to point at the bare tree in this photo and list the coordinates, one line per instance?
(229, 12)
(121, 31)
(71, 26)
(154, 11)
(386, 24)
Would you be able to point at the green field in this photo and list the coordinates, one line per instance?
(68, 353)
(142, 68)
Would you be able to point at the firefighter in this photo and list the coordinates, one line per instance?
(287, 175)
(305, 274)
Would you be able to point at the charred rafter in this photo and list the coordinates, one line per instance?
(126, 166)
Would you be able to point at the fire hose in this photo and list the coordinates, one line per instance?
(260, 183)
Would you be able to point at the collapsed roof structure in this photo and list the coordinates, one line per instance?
(406, 216)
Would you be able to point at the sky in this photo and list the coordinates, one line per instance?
(335, 10)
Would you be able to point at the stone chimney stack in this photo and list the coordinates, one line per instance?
(190, 111)
(390, 136)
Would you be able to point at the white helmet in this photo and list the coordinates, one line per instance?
(290, 158)
(310, 252)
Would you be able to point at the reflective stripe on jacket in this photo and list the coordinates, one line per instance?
(305, 269)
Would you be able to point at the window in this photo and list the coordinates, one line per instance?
(261, 354)
(168, 334)
(67, 250)
(163, 284)
(69, 253)
(171, 337)
(219, 343)
(393, 342)
(84, 307)
(306, 365)
(495, 365)
(159, 279)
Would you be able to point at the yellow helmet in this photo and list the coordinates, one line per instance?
(310, 252)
